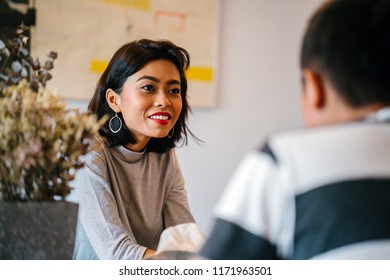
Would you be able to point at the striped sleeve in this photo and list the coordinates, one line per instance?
(248, 213)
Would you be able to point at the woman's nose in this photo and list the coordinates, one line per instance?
(162, 100)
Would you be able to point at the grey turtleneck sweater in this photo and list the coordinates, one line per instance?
(126, 199)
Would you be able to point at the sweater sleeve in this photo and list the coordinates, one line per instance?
(180, 230)
(176, 210)
(103, 234)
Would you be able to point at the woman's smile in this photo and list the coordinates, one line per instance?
(161, 118)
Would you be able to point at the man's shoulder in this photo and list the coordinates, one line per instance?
(324, 141)
(336, 132)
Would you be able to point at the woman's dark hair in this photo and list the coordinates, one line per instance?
(126, 61)
(348, 41)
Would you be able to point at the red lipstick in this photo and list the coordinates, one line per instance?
(162, 118)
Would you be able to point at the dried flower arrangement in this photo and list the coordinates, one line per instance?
(41, 141)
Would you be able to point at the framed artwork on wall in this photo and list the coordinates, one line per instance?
(87, 33)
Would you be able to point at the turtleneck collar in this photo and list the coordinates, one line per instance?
(128, 155)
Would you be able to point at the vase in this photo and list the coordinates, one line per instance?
(37, 230)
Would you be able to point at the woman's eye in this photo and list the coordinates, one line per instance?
(175, 91)
(148, 88)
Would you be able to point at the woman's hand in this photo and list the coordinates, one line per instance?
(148, 253)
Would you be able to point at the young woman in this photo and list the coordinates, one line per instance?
(132, 190)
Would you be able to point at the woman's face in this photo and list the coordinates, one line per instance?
(150, 101)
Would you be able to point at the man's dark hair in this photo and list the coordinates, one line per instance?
(348, 41)
(126, 61)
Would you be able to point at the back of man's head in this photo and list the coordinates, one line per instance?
(348, 41)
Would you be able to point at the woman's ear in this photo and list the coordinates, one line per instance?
(313, 89)
(113, 100)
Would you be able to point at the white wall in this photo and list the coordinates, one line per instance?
(258, 93)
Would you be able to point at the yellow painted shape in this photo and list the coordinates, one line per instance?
(98, 66)
(204, 74)
(136, 4)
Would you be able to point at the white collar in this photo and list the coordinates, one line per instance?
(382, 115)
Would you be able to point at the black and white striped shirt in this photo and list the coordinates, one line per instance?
(317, 193)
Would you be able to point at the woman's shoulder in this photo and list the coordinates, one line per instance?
(97, 154)
(168, 154)
(167, 158)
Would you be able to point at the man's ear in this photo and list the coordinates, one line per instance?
(314, 88)
(113, 100)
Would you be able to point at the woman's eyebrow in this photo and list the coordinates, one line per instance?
(173, 82)
(154, 79)
(148, 78)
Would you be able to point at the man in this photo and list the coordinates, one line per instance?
(322, 192)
